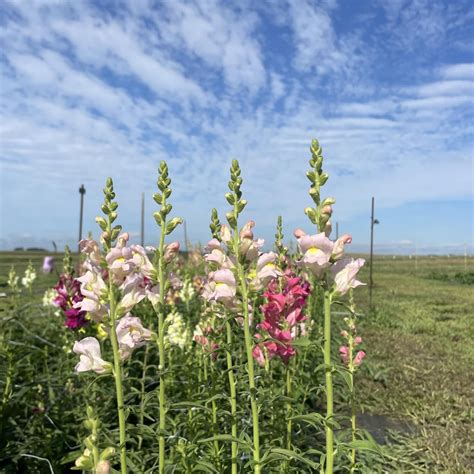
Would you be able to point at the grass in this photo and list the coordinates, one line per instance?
(417, 379)
(419, 340)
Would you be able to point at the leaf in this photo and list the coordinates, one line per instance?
(289, 454)
(225, 438)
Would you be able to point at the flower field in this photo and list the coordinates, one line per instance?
(236, 357)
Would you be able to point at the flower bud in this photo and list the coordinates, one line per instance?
(327, 210)
(298, 233)
(328, 228)
(246, 232)
(225, 233)
(103, 467)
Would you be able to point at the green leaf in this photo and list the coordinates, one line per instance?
(225, 438)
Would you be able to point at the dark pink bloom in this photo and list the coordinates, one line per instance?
(282, 316)
(68, 292)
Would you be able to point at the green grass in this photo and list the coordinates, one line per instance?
(419, 341)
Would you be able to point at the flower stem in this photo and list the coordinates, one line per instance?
(329, 391)
(233, 397)
(161, 350)
(251, 372)
(118, 380)
(142, 394)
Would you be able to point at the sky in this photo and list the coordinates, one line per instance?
(91, 89)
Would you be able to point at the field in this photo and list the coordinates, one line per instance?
(415, 388)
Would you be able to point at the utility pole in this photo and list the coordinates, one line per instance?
(143, 221)
(185, 237)
(82, 191)
(373, 221)
(337, 230)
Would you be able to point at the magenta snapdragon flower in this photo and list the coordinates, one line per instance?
(68, 294)
(282, 318)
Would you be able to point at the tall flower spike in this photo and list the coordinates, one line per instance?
(321, 213)
(162, 258)
(280, 248)
(109, 208)
(234, 197)
(163, 184)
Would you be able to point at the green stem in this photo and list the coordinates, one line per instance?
(118, 380)
(251, 372)
(214, 416)
(329, 391)
(161, 350)
(233, 397)
(286, 465)
(142, 394)
(288, 407)
(353, 407)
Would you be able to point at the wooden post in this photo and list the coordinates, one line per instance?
(372, 223)
(82, 191)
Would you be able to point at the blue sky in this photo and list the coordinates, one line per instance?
(92, 89)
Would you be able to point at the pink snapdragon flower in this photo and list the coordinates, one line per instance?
(141, 262)
(358, 358)
(344, 274)
(267, 269)
(171, 251)
(338, 250)
(131, 334)
(344, 353)
(120, 260)
(134, 290)
(90, 357)
(217, 255)
(248, 247)
(221, 287)
(316, 249)
(91, 249)
(93, 289)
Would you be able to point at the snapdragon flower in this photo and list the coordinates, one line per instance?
(177, 333)
(29, 277)
(48, 264)
(68, 297)
(221, 287)
(267, 269)
(90, 356)
(344, 274)
(130, 335)
(316, 249)
(93, 289)
(283, 319)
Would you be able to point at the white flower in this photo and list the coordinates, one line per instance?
(187, 291)
(48, 297)
(90, 357)
(177, 333)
